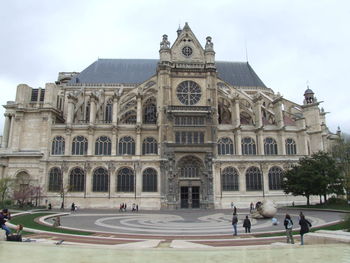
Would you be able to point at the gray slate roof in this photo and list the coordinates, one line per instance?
(135, 71)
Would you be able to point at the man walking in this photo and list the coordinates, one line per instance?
(234, 224)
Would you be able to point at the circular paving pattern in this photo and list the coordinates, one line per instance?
(183, 223)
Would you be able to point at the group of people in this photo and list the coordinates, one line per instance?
(4, 217)
(305, 226)
(123, 206)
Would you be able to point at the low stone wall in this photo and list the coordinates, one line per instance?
(327, 237)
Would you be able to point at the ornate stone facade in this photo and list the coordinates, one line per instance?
(184, 131)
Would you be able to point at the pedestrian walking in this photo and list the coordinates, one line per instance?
(232, 205)
(304, 228)
(235, 210)
(247, 224)
(72, 208)
(251, 207)
(234, 224)
(288, 224)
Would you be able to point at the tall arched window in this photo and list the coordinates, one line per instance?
(77, 180)
(103, 146)
(55, 179)
(275, 178)
(109, 111)
(253, 179)
(100, 180)
(270, 146)
(248, 146)
(225, 146)
(126, 146)
(79, 145)
(230, 179)
(150, 112)
(291, 147)
(149, 146)
(125, 180)
(58, 144)
(129, 117)
(149, 180)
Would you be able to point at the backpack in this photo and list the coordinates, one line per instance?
(289, 224)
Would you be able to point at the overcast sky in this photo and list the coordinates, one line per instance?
(289, 43)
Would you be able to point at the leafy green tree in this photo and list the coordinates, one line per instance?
(341, 153)
(315, 175)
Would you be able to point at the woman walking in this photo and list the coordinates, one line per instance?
(288, 224)
(304, 228)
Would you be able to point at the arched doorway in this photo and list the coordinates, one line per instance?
(190, 176)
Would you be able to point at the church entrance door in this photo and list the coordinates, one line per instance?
(190, 197)
(184, 196)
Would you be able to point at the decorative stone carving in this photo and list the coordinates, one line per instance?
(209, 46)
(165, 44)
(267, 209)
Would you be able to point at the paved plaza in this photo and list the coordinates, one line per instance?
(184, 222)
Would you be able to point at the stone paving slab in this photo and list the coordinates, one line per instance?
(36, 253)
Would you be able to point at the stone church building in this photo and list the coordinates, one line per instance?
(181, 131)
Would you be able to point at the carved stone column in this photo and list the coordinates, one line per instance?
(9, 144)
(114, 141)
(70, 109)
(260, 142)
(138, 181)
(91, 142)
(242, 182)
(139, 109)
(236, 119)
(5, 138)
(138, 140)
(115, 110)
(93, 100)
(238, 142)
(257, 109)
(68, 142)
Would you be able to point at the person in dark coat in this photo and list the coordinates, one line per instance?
(247, 224)
(304, 228)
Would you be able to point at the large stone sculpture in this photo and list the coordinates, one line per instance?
(266, 209)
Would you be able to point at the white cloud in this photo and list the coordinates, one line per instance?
(288, 42)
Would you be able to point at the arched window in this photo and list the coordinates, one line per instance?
(150, 112)
(190, 167)
(270, 146)
(100, 180)
(57, 146)
(245, 118)
(103, 146)
(224, 111)
(149, 180)
(225, 146)
(77, 180)
(126, 146)
(230, 179)
(109, 111)
(291, 147)
(248, 146)
(129, 117)
(253, 179)
(79, 145)
(275, 178)
(188, 92)
(125, 180)
(149, 146)
(55, 179)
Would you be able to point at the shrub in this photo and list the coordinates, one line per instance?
(347, 222)
(336, 201)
